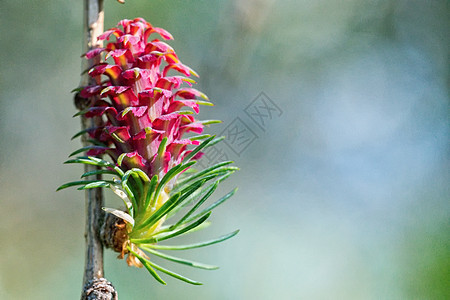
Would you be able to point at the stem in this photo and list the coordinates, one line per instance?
(94, 285)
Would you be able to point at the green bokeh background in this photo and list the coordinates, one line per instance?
(343, 196)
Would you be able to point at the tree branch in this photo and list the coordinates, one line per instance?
(94, 285)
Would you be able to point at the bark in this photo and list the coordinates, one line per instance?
(94, 285)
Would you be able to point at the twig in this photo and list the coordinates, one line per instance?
(94, 285)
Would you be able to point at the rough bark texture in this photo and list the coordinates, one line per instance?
(94, 285)
(113, 233)
(99, 288)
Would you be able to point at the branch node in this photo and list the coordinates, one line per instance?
(99, 289)
(113, 233)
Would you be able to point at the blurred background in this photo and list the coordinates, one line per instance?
(343, 188)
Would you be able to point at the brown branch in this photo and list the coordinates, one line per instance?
(94, 285)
